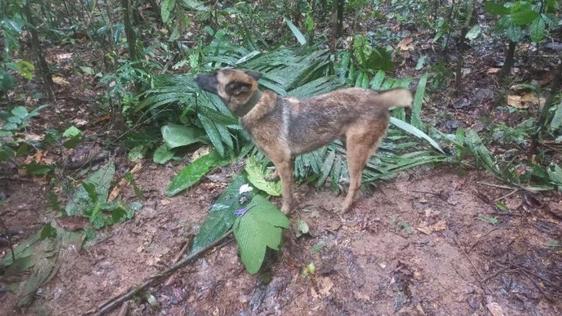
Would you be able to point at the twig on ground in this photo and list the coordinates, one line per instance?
(480, 278)
(480, 238)
(119, 299)
(499, 186)
(507, 195)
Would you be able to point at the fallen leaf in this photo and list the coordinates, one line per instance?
(326, 285)
(406, 44)
(424, 229)
(60, 81)
(64, 56)
(492, 71)
(79, 122)
(123, 182)
(72, 223)
(33, 137)
(362, 297)
(515, 101)
(495, 309)
(437, 227)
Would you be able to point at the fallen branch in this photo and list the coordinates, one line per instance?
(121, 298)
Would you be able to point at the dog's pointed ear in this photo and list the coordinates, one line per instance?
(237, 88)
(254, 74)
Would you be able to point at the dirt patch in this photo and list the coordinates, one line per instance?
(426, 243)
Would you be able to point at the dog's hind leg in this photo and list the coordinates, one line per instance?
(362, 140)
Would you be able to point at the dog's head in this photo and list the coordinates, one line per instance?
(234, 86)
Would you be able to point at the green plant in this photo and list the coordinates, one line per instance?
(14, 121)
(90, 200)
(521, 19)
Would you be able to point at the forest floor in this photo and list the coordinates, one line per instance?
(429, 242)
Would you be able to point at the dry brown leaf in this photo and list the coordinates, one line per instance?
(119, 187)
(495, 309)
(60, 81)
(406, 44)
(360, 296)
(72, 223)
(437, 227)
(492, 71)
(515, 101)
(326, 286)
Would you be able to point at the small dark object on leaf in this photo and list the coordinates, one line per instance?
(241, 211)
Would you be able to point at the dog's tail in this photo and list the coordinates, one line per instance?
(395, 98)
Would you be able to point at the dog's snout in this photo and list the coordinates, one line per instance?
(207, 82)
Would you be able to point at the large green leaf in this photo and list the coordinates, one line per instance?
(221, 215)
(101, 180)
(296, 32)
(179, 135)
(257, 178)
(260, 228)
(415, 131)
(194, 172)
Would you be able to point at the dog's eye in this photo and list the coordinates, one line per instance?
(237, 88)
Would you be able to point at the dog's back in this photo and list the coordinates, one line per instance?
(314, 122)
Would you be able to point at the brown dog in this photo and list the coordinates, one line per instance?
(284, 126)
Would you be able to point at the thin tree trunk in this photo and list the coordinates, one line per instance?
(339, 17)
(129, 32)
(38, 53)
(470, 17)
(509, 60)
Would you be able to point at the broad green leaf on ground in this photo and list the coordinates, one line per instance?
(193, 172)
(162, 154)
(260, 228)
(101, 179)
(296, 32)
(256, 177)
(176, 135)
(72, 131)
(38, 258)
(221, 215)
(410, 129)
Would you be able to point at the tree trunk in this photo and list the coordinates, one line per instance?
(340, 7)
(129, 31)
(462, 45)
(38, 53)
(509, 60)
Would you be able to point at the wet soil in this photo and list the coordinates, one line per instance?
(423, 244)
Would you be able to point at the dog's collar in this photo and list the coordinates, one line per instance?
(248, 106)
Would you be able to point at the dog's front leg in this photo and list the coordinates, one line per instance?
(285, 171)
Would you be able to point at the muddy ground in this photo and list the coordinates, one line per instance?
(418, 245)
